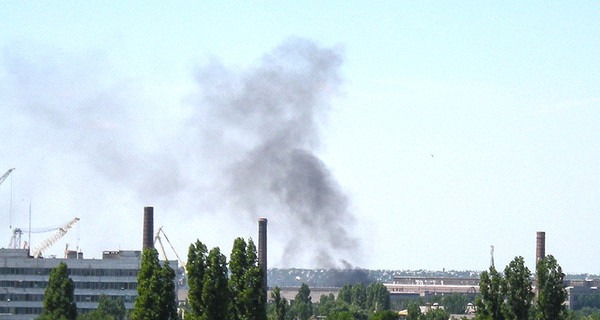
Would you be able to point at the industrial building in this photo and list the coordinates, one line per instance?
(23, 277)
(427, 286)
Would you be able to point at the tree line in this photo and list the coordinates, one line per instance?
(233, 290)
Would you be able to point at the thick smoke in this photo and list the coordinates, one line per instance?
(268, 121)
(247, 142)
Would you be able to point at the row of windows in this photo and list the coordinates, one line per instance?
(40, 297)
(73, 272)
(20, 310)
(24, 310)
(76, 284)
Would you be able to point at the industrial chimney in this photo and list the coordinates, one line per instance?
(540, 248)
(148, 232)
(262, 248)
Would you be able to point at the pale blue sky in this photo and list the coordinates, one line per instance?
(457, 125)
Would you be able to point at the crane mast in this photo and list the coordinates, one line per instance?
(37, 251)
(4, 176)
(162, 248)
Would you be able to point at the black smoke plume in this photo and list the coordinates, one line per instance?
(265, 121)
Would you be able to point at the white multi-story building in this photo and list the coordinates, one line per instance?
(23, 280)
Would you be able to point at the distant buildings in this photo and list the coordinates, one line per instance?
(427, 286)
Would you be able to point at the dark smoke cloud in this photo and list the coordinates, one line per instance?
(267, 119)
(94, 145)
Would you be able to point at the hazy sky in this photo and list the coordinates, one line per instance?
(383, 135)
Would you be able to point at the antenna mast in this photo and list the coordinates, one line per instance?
(492, 256)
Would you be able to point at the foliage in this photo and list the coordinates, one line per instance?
(517, 289)
(280, 304)
(345, 293)
(455, 303)
(359, 295)
(413, 312)
(591, 300)
(378, 297)
(196, 269)
(168, 295)
(435, 314)
(59, 300)
(384, 315)
(238, 265)
(215, 291)
(551, 290)
(586, 313)
(108, 309)
(490, 304)
(156, 291)
(303, 303)
(254, 295)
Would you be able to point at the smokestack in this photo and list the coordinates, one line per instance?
(148, 232)
(262, 249)
(540, 249)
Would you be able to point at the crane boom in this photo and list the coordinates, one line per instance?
(6, 175)
(37, 251)
(162, 248)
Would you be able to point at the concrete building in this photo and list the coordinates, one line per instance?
(23, 280)
(427, 286)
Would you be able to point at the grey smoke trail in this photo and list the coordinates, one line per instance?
(267, 119)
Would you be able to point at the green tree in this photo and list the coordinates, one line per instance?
(551, 290)
(254, 295)
(303, 303)
(359, 295)
(517, 289)
(378, 297)
(413, 311)
(215, 291)
(115, 308)
(455, 303)
(156, 297)
(238, 266)
(384, 315)
(59, 302)
(435, 314)
(196, 270)
(490, 302)
(345, 293)
(280, 304)
(146, 304)
(168, 294)
(246, 282)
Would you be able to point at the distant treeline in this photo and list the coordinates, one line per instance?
(294, 277)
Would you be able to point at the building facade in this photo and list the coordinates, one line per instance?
(23, 280)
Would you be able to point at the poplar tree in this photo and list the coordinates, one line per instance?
(378, 297)
(280, 304)
(254, 294)
(238, 266)
(156, 297)
(59, 302)
(146, 304)
(490, 303)
(168, 294)
(303, 303)
(196, 270)
(215, 291)
(517, 289)
(551, 290)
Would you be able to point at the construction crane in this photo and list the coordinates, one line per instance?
(37, 251)
(6, 175)
(162, 248)
(15, 240)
